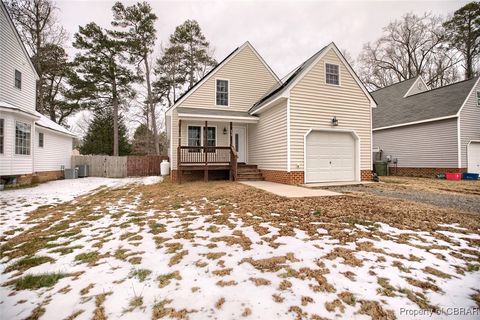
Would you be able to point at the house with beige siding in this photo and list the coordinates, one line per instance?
(427, 131)
(242, 122)
(32, 147)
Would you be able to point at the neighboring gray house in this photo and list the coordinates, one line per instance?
(429, 131)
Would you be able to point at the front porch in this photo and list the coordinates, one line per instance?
(211, 144)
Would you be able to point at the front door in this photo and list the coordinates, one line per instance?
(239, 143)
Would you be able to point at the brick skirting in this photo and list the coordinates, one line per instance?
(422, 172)
(39, 177)
(293, 177)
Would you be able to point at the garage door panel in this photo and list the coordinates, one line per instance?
(330, 156)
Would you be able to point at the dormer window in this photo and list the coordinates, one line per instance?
(332, 75)
(222, 87)
(18, 79)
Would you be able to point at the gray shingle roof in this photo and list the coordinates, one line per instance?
(394, 109)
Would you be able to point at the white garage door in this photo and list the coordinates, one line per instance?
(330, 156)
(474, 157)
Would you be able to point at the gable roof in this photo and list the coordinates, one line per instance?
(394, 109)
(289, 78)
(295, 75)
(217, 67)
(19, 39)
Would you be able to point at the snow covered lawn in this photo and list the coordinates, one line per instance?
(136, 249)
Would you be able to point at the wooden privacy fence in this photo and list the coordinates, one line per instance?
(120, 167)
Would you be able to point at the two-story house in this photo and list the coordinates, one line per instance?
(242, 122)
(31, 145)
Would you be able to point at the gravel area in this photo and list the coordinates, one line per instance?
(402, 189)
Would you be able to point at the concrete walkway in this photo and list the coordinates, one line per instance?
(289, 191)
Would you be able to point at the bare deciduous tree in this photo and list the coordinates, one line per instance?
(412, 46)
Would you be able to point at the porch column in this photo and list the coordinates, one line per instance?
(179, 152)
(205, 172)
(231, 134)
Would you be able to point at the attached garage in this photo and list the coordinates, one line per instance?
(473, 155)
(330, 156)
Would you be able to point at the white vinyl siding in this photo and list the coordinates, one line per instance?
(426, 145)
(57, 151)
(12, 57)
(314, 103)
(469, 123)
(248, 77)
(11, 163)
(267, 139)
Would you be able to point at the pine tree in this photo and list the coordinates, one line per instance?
(99, 137)
(137, 28)
(104, 79)
(196, 55)
(463, 33)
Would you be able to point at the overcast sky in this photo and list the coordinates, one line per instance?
(284, 32)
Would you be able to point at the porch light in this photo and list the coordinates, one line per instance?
(224, 130)
(334, 121)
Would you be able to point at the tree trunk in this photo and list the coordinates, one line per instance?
(115, 119)
(151, 106)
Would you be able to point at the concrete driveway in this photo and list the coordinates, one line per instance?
(289, 191)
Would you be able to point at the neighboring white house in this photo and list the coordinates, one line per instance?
(312, 126)
(31, 145)
(429, 131)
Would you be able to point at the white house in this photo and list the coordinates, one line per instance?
(32, 147)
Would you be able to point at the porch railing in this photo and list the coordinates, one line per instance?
(204, 156)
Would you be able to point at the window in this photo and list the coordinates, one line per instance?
(22, 138)
(2, 134)
(194, 138)
(40, 139)
(222, 92)
(331, 74)
(211, 138)
(478, 98)
(18, 79)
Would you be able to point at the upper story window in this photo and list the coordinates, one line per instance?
(222, 92)
(2, 134)
(18, 79)
(478, 98)
(22, 138)
(332, 75)
(40, 139)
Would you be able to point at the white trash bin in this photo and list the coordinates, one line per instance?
(165, 168)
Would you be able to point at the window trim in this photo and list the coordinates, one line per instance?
(15, 79)
(325, 74)
(202, 136)
(29, 154)
(478, 98)
(2, 136)
(41, 134)
(228, 92)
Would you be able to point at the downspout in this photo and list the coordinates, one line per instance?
(288, 135)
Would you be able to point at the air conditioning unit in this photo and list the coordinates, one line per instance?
(82, 170)
(71, 173)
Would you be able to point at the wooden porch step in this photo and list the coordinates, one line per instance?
(247, 166)
(250, 178)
